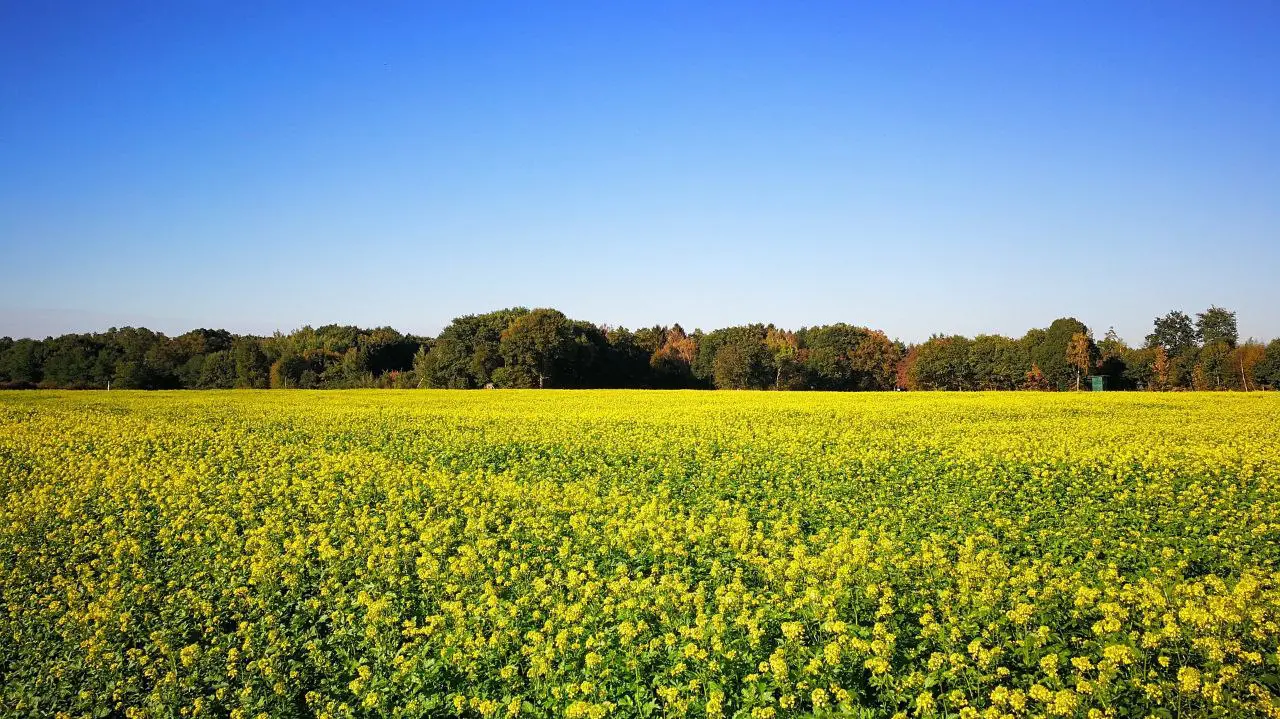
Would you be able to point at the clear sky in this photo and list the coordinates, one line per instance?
(915, 167)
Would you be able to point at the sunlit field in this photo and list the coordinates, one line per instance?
(639, 553)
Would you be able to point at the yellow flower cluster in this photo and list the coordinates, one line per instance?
(639, 554)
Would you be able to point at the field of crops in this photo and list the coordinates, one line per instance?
(613, 553)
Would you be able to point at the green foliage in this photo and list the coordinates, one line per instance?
(1217, 325)
(217, 370)
(742, 365)
(844, 357)
(73, 361)
(1213, 367)
(1139, 367)
(1175, 333)
(22, 362)
(747, 362)
(1050, 355)
(942, 363)
(626, 363)
(253, 367)
(287, 371)
(998, 363)
(544, 348)
(466, 353)
(1267, 370)
(133, 374)
(584, 364)
(535, 348)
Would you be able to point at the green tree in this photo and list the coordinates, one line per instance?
(585, 363)
(351, 370)
(997, 363)
(6, 346)
(447, 365)
(1113, 355)
(1174, 332)
(1217, 325)
(750, 366)
(217, 371)
(826, 356)
(71, 361)
(742, 365)
(788, 359)
(1267, 370)
(386, 350)
(252, 366)
(1139, 367)
(626, 360)
(288, 372)
(467, 351)
(1177, 335)
(142, 359)
(1213, 366)
(1111, 345)
(132, 374)
(1050, 355)
(420, 366)
(534, 347)
(844, 357)
(942, 363)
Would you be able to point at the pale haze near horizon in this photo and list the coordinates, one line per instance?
(919, 168)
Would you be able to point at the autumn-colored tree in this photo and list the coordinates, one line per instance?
(902, 373)
(1080, 355)
(673, 360)
(1160, 369)
(1244, 361)
(1199, 379)
(875, 358)
(678, 346)
(781, 342)
(519, 348)
(1036, 379)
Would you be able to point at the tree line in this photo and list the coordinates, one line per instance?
(541, 348)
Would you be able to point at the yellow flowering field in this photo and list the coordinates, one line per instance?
(639, 554)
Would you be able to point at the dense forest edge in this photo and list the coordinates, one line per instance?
(542, 348)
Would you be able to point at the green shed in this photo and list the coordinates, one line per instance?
(1098, 382)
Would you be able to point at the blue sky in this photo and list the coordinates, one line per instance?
(916, 167)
